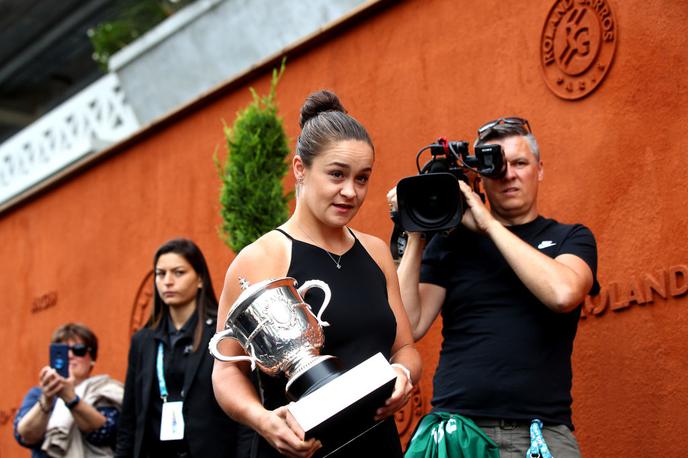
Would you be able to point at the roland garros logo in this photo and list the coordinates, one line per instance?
(143, 304)
(577, 46)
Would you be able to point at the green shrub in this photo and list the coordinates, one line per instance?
(252, 198)
(134, 18)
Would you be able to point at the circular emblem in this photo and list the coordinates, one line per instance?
(577, 46)
(143, 304)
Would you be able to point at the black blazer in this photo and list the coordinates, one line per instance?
(209, 432)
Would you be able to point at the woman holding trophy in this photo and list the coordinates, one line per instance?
(332, 165)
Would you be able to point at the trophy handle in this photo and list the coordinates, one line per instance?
(215, 351)
(328, 294)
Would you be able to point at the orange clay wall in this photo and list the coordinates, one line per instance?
(410, 71)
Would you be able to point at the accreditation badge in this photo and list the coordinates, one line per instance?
(172, 421)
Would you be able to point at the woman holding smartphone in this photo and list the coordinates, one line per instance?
(169, 409)
(75, 415)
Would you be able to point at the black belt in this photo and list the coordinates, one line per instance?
(501, 423)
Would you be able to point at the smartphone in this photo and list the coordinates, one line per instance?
(59, 358)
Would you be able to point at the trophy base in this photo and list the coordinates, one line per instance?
(343, 409)
(315, 377)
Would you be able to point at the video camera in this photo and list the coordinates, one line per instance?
(431, 201)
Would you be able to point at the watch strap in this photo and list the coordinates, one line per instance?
(71, 404)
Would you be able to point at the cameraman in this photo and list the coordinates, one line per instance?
(509, 284)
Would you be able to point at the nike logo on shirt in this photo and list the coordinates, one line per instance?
(545, 244)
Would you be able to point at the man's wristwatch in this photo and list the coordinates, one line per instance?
(71, 404)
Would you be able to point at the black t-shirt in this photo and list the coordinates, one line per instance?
(504, 353)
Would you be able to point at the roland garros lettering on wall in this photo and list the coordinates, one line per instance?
(44, 302)
(7, 415)
(640, 290)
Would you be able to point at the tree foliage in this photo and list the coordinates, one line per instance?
(252, 198)
(133, 19)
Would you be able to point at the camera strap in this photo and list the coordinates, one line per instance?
(397, 241)
(538, 447)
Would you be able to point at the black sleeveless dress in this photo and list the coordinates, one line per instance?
(361, 324)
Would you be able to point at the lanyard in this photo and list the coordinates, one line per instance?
(161, 374)
(538, 447)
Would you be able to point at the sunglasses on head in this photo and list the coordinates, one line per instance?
(512, 121)
(79, 349)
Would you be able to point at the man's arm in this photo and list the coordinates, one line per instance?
(560, 283)
(422, 301)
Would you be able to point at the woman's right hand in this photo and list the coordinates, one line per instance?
(51, 383)
(282, 431)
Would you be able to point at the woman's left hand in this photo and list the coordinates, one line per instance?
(400, 396)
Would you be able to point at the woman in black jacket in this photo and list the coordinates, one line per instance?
(169, 408)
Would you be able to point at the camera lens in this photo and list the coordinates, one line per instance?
(431, 207)
(430, 202)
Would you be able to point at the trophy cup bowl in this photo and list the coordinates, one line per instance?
(280, 333)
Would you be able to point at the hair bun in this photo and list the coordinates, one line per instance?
(319, 102)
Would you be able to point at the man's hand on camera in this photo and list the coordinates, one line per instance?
(392, 199)
(476, 217)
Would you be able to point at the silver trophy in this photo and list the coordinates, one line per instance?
(280, 333)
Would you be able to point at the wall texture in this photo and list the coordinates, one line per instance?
(412, 71)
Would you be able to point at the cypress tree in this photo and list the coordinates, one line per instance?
(252, 197)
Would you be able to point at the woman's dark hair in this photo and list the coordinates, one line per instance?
(206, 302)
(77, 331)
(324, 121)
